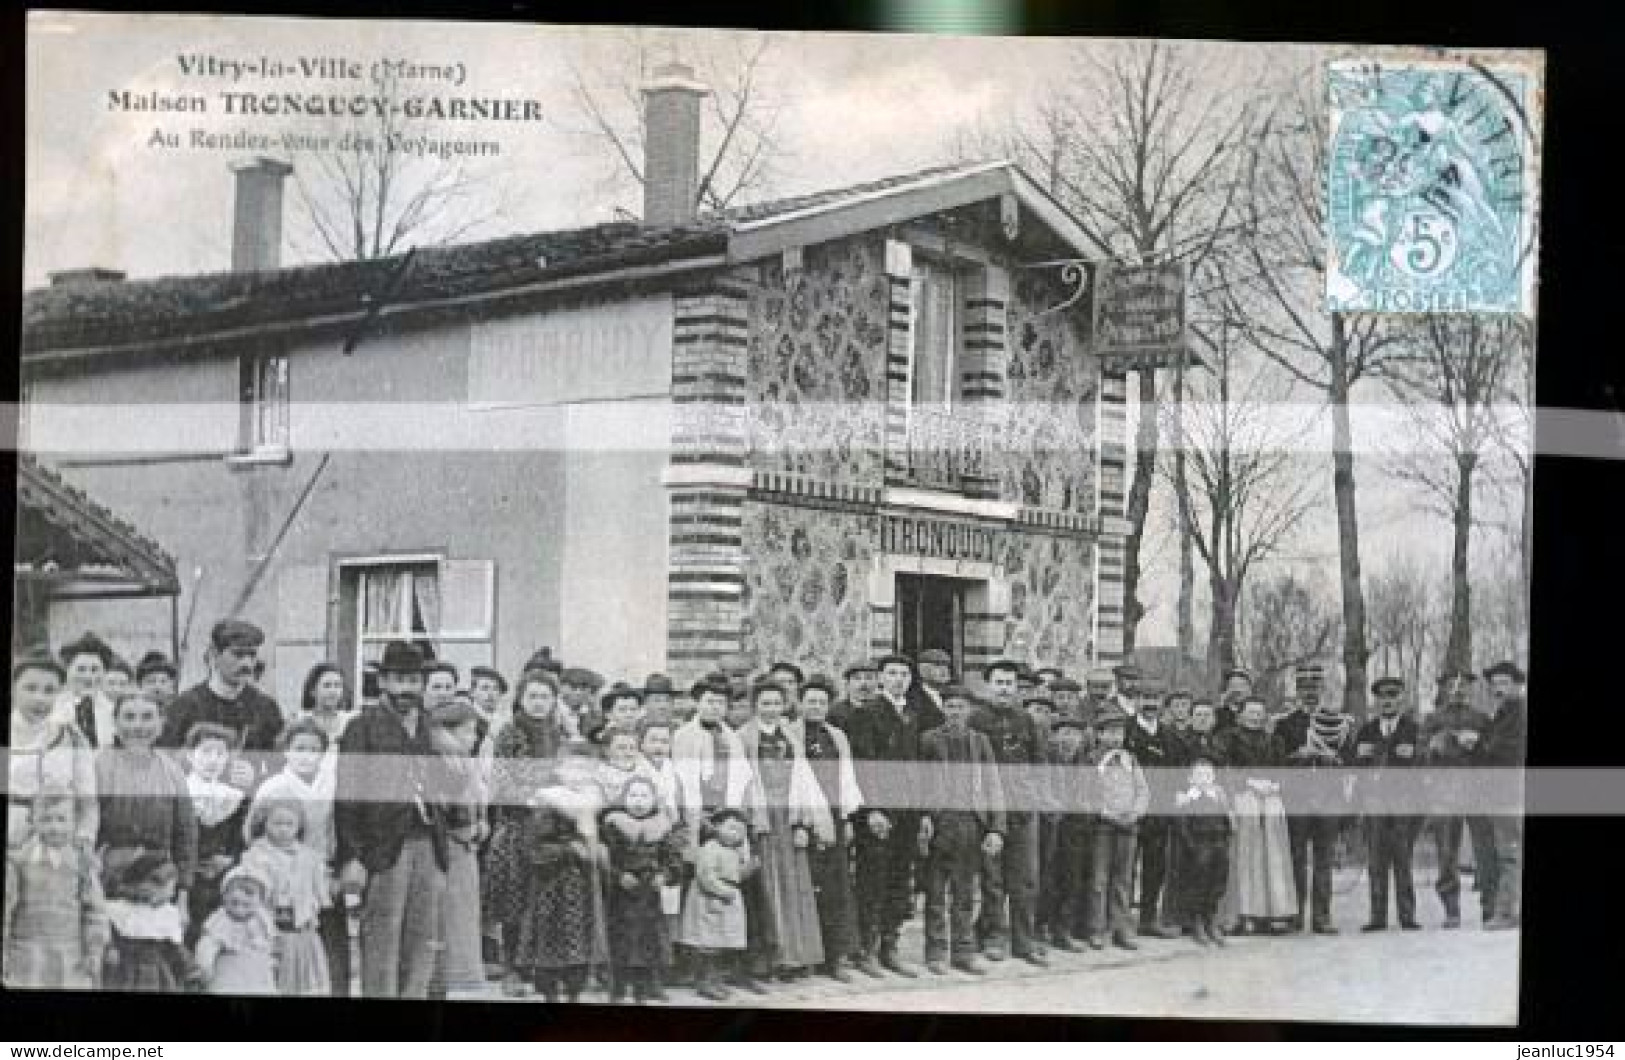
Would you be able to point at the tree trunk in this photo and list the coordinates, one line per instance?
(1139, 501)
(1221, 639)
(1187, 552)
(1348, 528)
(1458, 652)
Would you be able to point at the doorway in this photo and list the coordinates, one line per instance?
(931, 614)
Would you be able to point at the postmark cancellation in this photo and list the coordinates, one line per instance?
(1432, 185)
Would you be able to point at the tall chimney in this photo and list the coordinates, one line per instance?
(256, 230)
(671, 144)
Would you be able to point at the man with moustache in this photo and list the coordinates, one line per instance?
(390, 826)
(1010, 882)
(229, 698)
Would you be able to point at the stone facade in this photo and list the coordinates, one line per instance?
(816, 366)
(781, 494)
(807, 584)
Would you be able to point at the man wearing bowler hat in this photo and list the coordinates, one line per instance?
(1503, 752)
(1388, 748)
(229, 698)
(390, 823)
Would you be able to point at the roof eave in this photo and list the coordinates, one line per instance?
(574, 282)
(883, 208)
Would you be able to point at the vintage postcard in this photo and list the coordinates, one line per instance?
(722, 518)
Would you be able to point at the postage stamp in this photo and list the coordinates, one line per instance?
(1431, 186)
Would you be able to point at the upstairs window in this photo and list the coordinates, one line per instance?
(936, 314)
(264, 401)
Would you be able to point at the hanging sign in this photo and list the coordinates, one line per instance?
(1140, 310)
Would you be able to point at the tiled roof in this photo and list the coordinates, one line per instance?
(767, 210)
(119, 313)
(89, 314)
(77, 532)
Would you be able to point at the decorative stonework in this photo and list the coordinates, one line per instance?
(1051, 382)
(1051, 593)
(816, 364)
(807, 584)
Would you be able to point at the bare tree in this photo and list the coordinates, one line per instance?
(1244, 494)
(1141, 146)
(1453, 387)
(739, 136)
(1288, 622)
(1402, 618)
(1279, 295)
(372, 196)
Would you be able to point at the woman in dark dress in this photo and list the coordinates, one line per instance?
(562, 930)
(521, 765)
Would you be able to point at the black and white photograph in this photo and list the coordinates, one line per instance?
(773, 520)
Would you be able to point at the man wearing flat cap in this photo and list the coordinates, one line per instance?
(1099, 691)
(1452, 736)
(229, 698)
(884, 733)
(862, 682)
(1387, 748)
(390, 825)
(936, 672)
(1503, 751)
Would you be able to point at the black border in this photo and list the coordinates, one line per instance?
(1572, 932)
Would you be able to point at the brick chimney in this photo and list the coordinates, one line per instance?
(671, 144)
(256, 230)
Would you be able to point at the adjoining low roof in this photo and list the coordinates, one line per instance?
(66, 538)
(88, 319)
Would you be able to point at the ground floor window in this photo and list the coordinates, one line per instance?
(384, 600)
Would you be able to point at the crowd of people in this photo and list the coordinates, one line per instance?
(437, 832)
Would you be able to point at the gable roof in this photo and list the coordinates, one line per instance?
(91, 319)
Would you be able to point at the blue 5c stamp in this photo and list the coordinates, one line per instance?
(1431, 187)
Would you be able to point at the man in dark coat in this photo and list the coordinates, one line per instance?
(391, 831)
(1318, 741)
(885, 737)
(1010, 881)
(1387, 748)
(228, 698)
(1503, 751)
(862, 682)
(1453, 735)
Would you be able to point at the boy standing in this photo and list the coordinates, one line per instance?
(1122, 797)
(965, 807)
